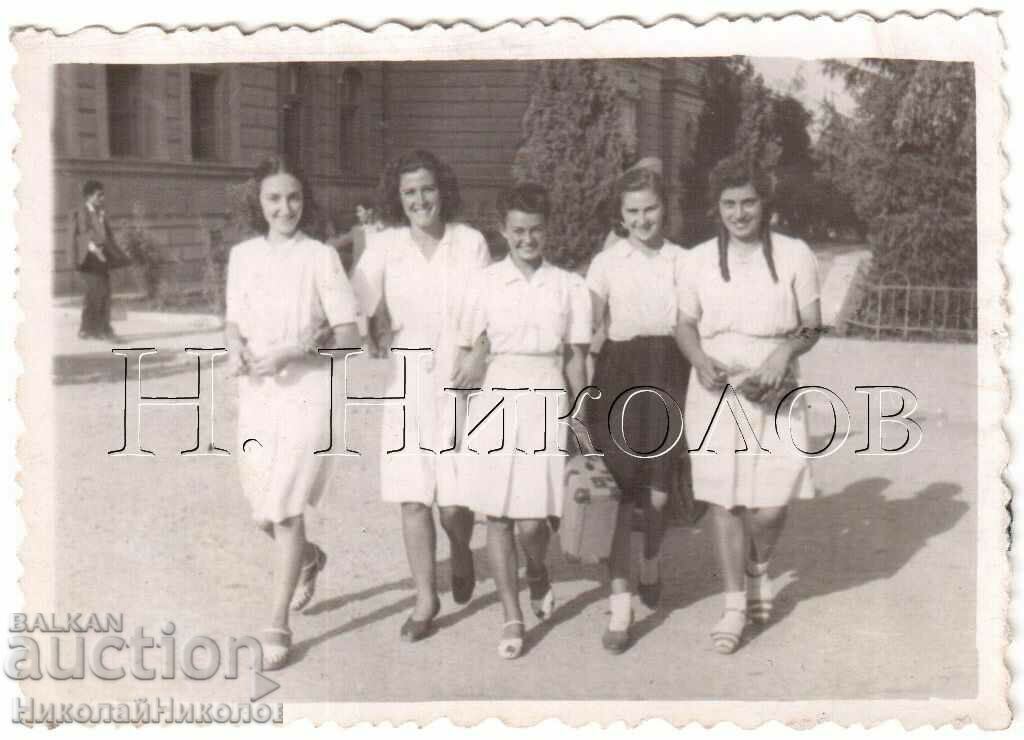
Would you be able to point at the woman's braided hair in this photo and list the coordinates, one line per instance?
(734, 172)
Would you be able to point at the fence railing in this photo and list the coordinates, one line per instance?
(894, 308)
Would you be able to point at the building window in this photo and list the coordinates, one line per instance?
(350, 113)
(292, 87)
(124, 109)
(204, 94)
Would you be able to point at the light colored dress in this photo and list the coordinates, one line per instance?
(741, 322)
(528, 323)
(425, 300)
(280, 294)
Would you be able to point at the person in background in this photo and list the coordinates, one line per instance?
(283, 412)
(411, 282)
(96, 253)
(352, 243)
(531, 312)
(748, 308)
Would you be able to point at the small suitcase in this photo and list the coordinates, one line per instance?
(589, 511)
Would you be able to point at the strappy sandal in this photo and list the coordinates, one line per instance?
(726, 634)
(511, 648)
(276, 654)
(760, 598)
(542, 596)
(306, 587)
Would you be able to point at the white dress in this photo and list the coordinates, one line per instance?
(425, 300)
(741, 322)
(279, 294)
(528, 324)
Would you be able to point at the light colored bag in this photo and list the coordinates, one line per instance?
(590, 509)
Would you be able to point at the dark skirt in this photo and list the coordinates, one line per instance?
(649, 423)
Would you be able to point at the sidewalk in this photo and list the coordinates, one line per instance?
(89, 360)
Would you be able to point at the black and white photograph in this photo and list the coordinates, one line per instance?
(426, 384)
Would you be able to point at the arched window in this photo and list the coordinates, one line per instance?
(350, 115)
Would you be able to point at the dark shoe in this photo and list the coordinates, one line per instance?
(463, 586)
(415, 630)
(650, 594)
(617, 641)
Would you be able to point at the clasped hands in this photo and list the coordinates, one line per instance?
(756, 385)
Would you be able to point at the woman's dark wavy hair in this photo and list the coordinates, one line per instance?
(633, 181)
(390, 199)
(280, 164)
(526, 197)
(734, 172)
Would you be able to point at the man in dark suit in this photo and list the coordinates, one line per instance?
(95, 253)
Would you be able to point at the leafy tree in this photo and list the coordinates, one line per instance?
(907, 161)
(742, 114)
(572, 143)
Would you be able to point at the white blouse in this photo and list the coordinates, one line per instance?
(527, 316)
(639, 287)
(750, 303)
(282, 293)
(424, 297)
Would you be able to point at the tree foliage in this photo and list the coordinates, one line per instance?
(742, 114)
(573, 144)
(906, 161)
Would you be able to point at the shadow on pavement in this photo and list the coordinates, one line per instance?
(858, 536)
(831, 544)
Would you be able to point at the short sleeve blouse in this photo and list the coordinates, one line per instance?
(639, 287)
(424, 297)
(750, 303)
(283, 293)
(520, 316)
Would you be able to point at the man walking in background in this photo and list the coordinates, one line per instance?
(96, 253)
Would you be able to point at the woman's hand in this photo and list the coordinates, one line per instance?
(470, 367)
(274, 361)
(769, 376)
(711, 373)
(239, 361)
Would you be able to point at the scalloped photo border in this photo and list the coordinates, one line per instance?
(974, 37)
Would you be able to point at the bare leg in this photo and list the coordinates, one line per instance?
(290, 546)
(457, 522)
(534, 536)
(730, 545)
(420, 542)
(501, 550)
(654, 517)
(619, 561)
(765, 527)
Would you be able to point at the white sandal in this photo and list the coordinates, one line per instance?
(543, 606)
(511, 648)
(726, 634)
(276, 654)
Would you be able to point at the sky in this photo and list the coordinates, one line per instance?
(806, 81)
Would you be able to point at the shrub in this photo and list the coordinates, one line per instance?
(572, 144)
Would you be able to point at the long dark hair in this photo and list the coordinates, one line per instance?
(280, 164)
(735, 172)
(390, 198)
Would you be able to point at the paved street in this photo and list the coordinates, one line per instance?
(876, 576)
